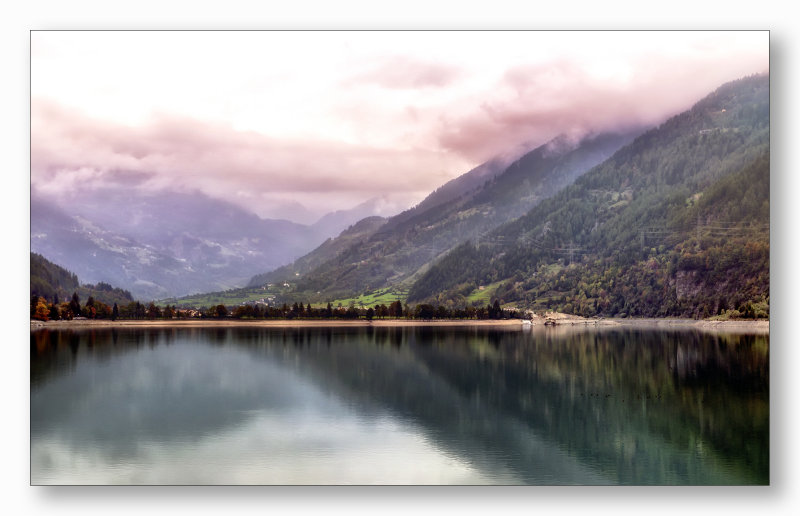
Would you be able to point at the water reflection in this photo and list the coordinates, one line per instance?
(398, 405)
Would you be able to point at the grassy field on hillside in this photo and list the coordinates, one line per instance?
(484, 294)
(227, 297)
(384, 296)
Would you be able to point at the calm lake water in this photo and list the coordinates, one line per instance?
(398, 406)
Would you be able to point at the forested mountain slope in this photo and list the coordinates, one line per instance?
(328, 250)
(676, 223)
(57, 284)
(407, 242)
(464, 184)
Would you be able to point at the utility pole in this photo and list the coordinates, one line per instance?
(571, 250)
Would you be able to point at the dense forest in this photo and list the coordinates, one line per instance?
(675, 224)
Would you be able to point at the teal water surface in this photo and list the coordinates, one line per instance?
(398, 405)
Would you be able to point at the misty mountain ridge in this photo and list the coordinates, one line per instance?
(464, 208)
(333, 223)
(674, 224)
(164, 244)
(328, 250)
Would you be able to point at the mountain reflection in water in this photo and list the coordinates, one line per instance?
(398, 405)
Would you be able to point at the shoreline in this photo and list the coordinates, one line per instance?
(276, 323)
(556, 320)
(759, 326)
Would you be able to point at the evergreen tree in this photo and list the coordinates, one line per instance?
(89, 309)
(75, 305)
(153, 311)
(168, 312)
(495, 312)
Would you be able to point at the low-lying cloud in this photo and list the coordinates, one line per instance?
(535, 103)
(329, 125)
(71, 151)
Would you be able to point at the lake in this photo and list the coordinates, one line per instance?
(398, 405)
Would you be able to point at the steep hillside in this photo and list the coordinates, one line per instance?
(356, 233)
(333, 223)
(409, 241)
(49, 280)
(676, 223)
(455, 188)
(55, 283)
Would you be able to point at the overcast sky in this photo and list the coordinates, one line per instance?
(330, 119)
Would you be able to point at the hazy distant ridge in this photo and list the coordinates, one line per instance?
(169, 243)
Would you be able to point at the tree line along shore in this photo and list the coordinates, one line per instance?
(93, 313)
(43, 310)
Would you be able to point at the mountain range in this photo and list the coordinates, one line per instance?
(672, 221)
(674, 224)
(166, 244)
(393, 253)
(667, 221)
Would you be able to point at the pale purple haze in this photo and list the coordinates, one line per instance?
(296, 124)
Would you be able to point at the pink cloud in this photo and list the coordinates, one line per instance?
(532, 104)
(69, 151)
(402, 72)
(425, 124)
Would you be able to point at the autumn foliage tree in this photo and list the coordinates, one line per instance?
(39, 309)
